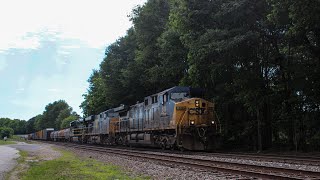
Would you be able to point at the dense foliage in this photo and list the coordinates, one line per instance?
(6, 132)
(18, 126)
(57, 115)
(257, 59)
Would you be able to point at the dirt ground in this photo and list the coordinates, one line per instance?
(35, 152)
(8, 156)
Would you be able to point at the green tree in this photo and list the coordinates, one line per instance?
(149, 23)
(297, 41)
(95, 99)
(37, 122)
(62, 115)
(4, 122)
(19, 126)
(30, 125)
(6, 132)
(66, 122)
(49, 118)
(257, 60)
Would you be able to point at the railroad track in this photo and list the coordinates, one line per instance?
(248, 170)
(290, 159)
(305, 160)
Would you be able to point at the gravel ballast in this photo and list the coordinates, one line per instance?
(161, 170)
(155, 170)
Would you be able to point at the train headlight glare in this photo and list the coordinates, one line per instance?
(192, 122)
(197, 103)
(212, 122)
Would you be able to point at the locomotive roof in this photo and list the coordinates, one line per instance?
(179, 89)
(175, 89)
(108, 111)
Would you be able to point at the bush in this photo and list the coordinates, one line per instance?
(5, 131)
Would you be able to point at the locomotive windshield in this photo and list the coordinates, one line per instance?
(193, 92)
(179, 96)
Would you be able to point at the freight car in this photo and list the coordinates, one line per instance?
(42, 134)
(175, 118)
(62, 135)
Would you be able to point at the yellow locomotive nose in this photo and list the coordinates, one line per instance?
(195, 112)
(196, 123)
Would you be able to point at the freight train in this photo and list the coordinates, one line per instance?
(176, 118)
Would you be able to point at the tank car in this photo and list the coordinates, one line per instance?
(61, 135)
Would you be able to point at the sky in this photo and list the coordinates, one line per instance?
(48, 49)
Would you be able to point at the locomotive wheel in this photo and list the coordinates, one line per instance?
(164, 143)
(182, 149)
(172, 147)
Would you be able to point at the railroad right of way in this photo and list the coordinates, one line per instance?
(238, 170)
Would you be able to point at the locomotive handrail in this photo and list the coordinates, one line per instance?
(179, 125)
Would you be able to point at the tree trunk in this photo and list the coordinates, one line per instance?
(259, 131)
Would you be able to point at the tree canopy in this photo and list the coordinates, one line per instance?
(54, 115)
(57, 115)
(258, 60)
(6, 132)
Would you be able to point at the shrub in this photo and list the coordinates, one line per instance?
(5, 131)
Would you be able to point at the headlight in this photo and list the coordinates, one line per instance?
(212, 122)
(197, 103)
(192, 122)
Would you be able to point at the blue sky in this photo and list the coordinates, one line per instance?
(49, 48)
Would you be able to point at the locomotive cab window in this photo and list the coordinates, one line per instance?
(146, 102)
(165, 98)
(154, 99)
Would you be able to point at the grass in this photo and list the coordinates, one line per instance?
(19, 139)
(18, 168)
(68, 166)
(23, 156)
(2, 142)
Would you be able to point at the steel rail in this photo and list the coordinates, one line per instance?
(272, 158)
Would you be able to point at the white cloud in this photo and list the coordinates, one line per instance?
(95, 22)
(79, 30)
